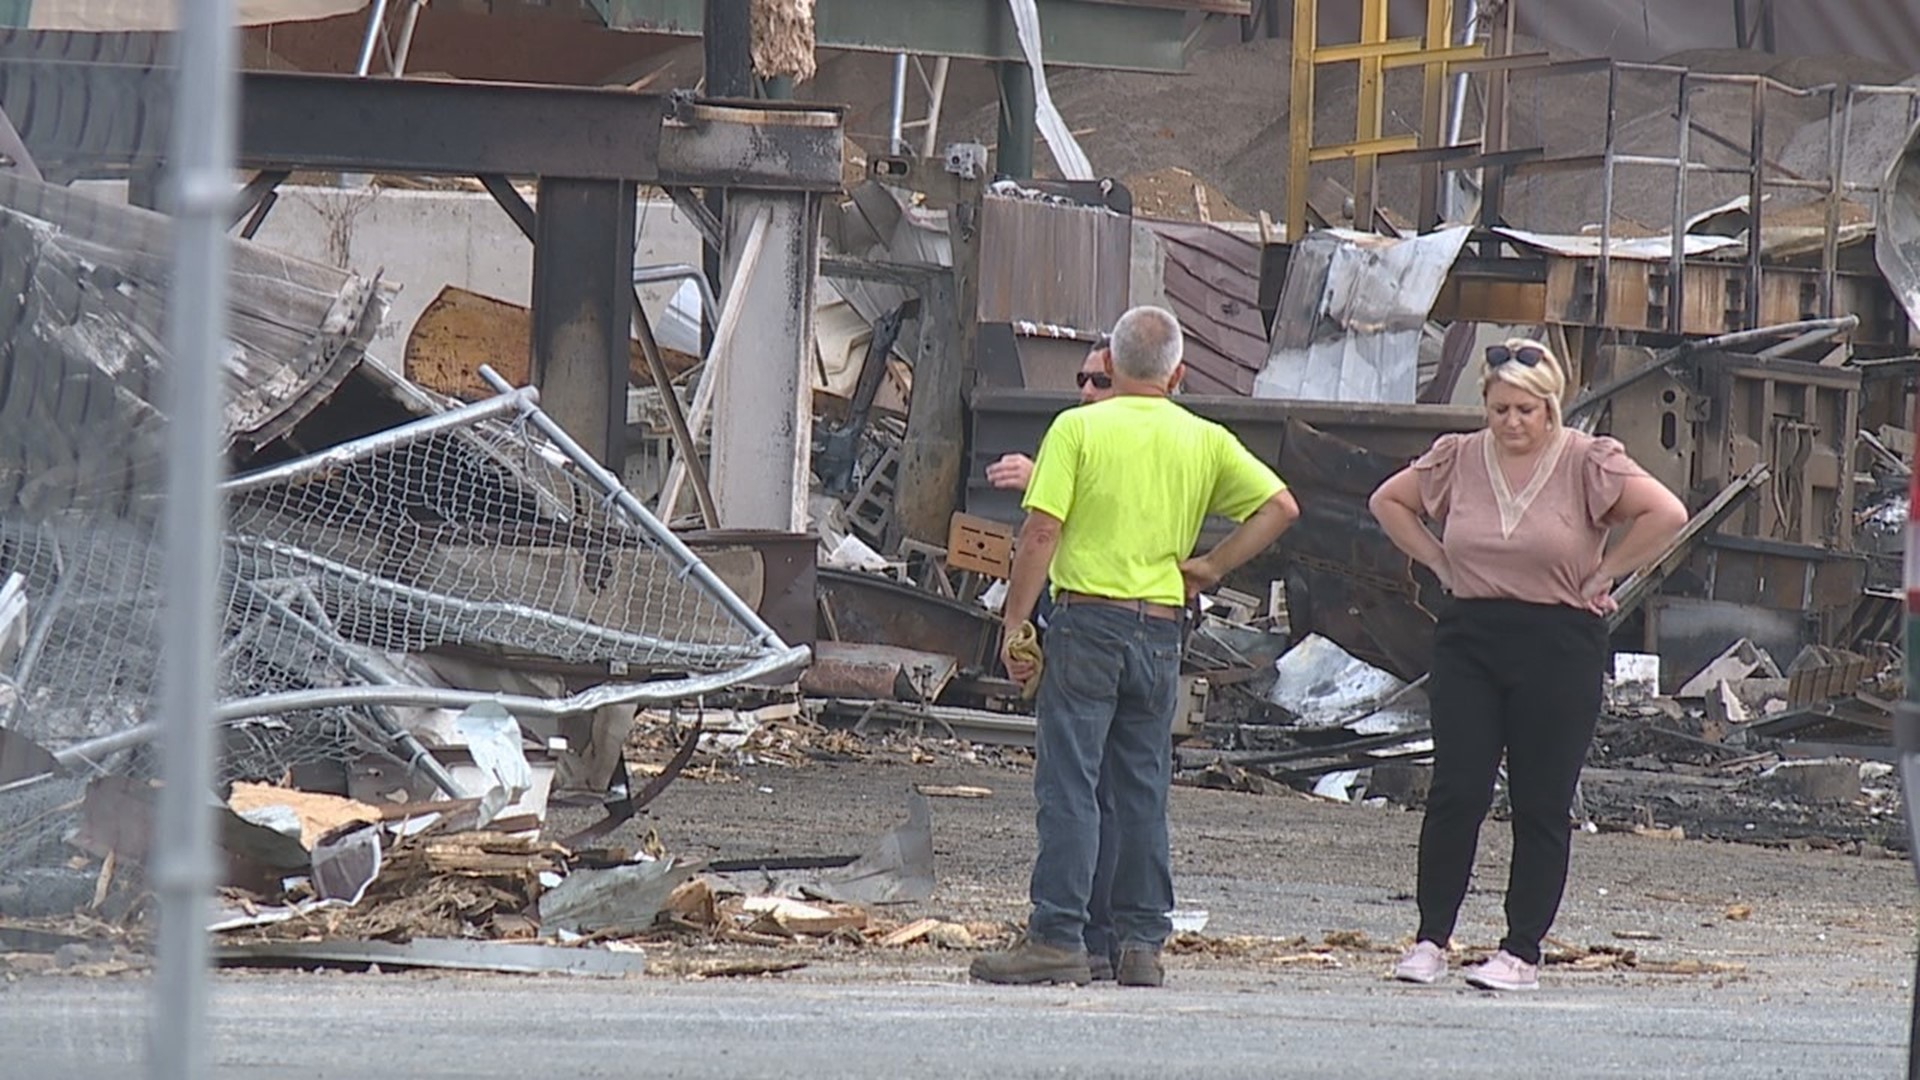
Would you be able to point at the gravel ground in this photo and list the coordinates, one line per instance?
(1288, 866)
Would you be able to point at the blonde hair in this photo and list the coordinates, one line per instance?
(1546, 380)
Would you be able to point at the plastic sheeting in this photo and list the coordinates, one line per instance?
(1053, 127)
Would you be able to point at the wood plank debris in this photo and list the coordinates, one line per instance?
(954, 791)
(780, 915)
(316, 813)
(908, 934)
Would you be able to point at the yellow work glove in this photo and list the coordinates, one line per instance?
(1023, 643)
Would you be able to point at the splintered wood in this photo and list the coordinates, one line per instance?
(1621, 958)
(1266, 951)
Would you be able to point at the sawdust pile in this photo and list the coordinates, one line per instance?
(783, 39)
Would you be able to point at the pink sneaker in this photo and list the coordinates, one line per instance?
(1425, 963)
(1504, 971)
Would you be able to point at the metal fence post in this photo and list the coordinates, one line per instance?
(202, 152)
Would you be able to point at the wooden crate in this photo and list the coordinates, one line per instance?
(980, 545)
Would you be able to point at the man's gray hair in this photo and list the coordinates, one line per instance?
(1147, 344)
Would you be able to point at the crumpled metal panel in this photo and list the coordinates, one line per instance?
(1351, 316)
(1896, 246)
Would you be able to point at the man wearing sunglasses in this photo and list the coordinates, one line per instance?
(1114, 508)
(1012, 471)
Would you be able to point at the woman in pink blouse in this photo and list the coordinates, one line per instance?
(1524, 509)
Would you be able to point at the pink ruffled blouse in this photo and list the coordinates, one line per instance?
(1539, 544)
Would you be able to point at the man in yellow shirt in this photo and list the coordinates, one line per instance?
(1114, 508)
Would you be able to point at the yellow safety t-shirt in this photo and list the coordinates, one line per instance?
(1131, 479)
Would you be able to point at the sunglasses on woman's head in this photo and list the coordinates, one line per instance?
(1100, 379)
(1526, 355)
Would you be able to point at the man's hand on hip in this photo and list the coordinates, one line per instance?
(1199, 574)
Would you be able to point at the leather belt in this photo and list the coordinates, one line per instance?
(1068, 598)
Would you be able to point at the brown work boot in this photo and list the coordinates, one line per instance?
(1140, 966)
(1032, 962)
(1100, 965)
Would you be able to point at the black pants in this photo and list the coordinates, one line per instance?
(1524, 679)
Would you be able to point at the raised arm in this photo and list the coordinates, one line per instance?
(1653, 517)
(1249, 538)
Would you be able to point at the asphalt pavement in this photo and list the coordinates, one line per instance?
(841, 1021)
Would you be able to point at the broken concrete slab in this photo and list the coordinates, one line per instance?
(1742, 660)
(1635, 679)
(1829, 780)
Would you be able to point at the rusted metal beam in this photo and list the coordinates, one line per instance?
(846, 669)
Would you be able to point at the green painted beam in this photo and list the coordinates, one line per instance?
(1073, 33)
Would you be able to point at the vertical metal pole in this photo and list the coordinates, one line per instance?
(1839, 115)
(1460, 81)
(936, 97)
(726, 38)
(763, 431)
(1906, 733)
(376, 21)
(583, 309)
(203, 145)
(1015, 155)
(1602, 280)
(1300, 115)
(405, 48)
(1433, 108)
(1454, 206)
(897, 119)
(1677, 259)
(1756, 192)
(1372, 105)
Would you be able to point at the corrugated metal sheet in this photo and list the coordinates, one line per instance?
(1212, 280)
(1045, 261)
(1352, 314)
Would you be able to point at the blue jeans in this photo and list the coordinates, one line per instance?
(1105, 709)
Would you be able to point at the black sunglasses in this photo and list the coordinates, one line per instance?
(1100, 379)
(1526, 355)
